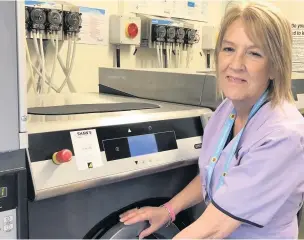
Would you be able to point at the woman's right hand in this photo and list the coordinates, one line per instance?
(157, 217)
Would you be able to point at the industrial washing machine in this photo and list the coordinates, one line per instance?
(135, 143)
(94, 213)
(125, 152)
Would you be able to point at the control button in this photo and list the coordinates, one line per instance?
(62, 156)
(116, 148)
(150, 128)
(132, 30)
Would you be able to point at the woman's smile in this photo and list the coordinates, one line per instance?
(236, 80)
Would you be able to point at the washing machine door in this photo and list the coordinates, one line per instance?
(111, 228)
(121, 231)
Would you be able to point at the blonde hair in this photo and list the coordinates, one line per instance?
(265, 26)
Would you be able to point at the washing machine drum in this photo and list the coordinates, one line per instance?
(121, 231)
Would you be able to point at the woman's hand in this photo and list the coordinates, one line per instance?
(157, 217)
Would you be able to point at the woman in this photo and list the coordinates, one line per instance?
(251, 169)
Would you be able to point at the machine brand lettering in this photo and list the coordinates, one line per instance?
(84, 133)
(198, 145)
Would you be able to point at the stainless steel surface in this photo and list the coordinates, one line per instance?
(59, 190)
(9, 90)
(55, 123)
(52, 180)
(205, 118)
(21, 57)
(23, 140)
(180, 87)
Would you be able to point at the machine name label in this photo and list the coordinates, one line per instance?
(86, 148)
(84, 133)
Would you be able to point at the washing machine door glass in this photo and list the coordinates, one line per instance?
(121, 231)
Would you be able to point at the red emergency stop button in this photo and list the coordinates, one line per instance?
(62, 156)
(132, 30)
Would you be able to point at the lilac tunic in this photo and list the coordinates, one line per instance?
(264, 186)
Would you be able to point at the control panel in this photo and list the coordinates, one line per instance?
(8, 205)
(71, 160)
(139, 145)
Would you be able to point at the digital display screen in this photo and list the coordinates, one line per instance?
(143, 144)
(3, 192)
(139, 145)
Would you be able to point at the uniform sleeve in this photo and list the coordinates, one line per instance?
(267, 175)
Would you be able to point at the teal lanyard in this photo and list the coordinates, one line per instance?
(223, 139)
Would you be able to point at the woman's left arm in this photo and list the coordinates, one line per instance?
(211, 224)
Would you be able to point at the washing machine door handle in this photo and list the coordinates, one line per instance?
(122, 231)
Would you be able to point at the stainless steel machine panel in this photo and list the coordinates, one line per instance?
(13, 187)
(197, 89)
(172, 134)
(51, 123)
(12, 90)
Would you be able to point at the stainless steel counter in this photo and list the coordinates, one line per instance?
(42, 123)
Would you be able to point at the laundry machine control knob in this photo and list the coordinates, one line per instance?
(62, 156)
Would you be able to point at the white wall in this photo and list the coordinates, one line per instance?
(90, 57)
